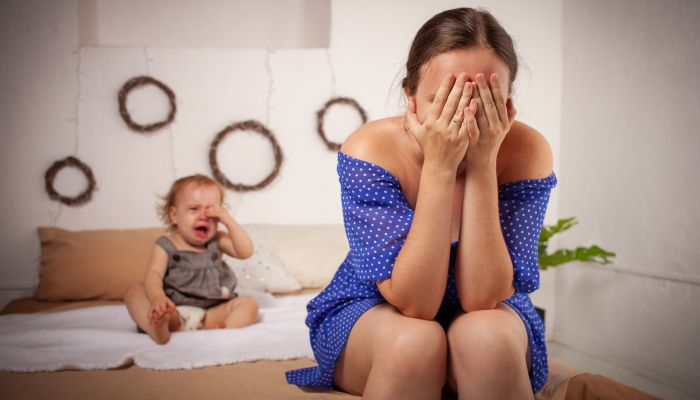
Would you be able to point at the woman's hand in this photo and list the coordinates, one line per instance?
(488, 122)
(442, 136)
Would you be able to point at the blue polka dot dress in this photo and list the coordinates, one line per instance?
(377, 220)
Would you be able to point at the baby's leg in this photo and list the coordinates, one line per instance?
(139, 306)
(236, 313)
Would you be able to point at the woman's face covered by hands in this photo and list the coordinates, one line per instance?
(471, 61)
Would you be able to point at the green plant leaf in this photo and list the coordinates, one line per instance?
(562, 225)
(593, 253)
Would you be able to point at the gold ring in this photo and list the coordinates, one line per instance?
(457, 122)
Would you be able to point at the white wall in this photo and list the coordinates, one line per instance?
(59, 99)
(629, 147)
(205, 24)
(38, 105)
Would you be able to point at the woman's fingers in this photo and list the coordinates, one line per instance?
(464, 128)
(463, 102)
(480, 116)
(499, 99)
(452, 103)
(441, 96)
(470, 120)
(413, 125)
(489, 106)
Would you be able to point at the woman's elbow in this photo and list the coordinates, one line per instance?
(470, 305)
(485, 301)
(418, 313)
(408, 304)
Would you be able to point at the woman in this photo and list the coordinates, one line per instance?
(443, 208)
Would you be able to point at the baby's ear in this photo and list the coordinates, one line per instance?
(172, 214)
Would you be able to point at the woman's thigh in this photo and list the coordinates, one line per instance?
(476, 331)
(384, 334)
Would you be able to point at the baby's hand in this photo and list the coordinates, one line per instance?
(218, 212)
(160, 307)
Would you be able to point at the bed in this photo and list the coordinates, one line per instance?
(74, 340)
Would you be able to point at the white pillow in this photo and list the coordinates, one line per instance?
(264, 271)
(311, 253)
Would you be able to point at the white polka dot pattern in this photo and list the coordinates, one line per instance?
(377, 220)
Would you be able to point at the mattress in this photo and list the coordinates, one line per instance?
(261, 380)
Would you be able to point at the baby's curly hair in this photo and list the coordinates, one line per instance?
(170, 199)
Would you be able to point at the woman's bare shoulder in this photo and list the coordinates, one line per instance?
(526, 154)
(376, 142)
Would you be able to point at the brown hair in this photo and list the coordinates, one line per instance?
(170, 199)
(459, 28)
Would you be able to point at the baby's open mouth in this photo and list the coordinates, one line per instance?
(201, 231)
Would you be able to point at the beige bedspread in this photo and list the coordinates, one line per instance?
(258, 380)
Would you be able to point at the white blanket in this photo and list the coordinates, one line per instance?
(105, 337)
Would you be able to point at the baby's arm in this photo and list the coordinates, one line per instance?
(235, 242)
(153, 283)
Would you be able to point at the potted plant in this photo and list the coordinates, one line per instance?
(547, 260)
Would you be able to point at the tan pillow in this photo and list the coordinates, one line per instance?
(86, 265)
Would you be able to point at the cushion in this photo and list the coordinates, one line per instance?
(92, 265)
(102, 264)
(311, 253)
(264, 271)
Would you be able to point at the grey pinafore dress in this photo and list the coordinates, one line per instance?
(197, 279)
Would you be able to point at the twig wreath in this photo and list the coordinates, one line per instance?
(320, 115)
(142, 81)
(249, 125)
(51, 173)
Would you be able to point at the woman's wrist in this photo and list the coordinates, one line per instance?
(438, 171)
(482, 169)
(481, 164)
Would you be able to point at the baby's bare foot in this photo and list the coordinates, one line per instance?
(159, 327)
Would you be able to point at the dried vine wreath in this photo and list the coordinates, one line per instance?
(320, 115)
(249, 125)
(141, 81)
(51, 173)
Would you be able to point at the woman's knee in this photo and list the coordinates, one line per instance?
(492, 335)
(415, 347)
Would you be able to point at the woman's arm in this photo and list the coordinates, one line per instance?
(419, 277)
(484, 270)
(419, 274)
